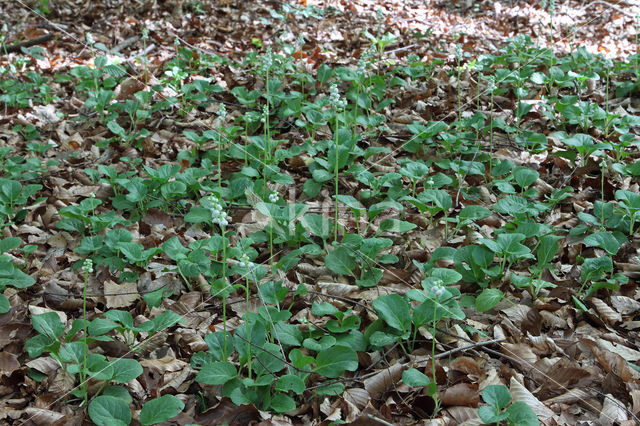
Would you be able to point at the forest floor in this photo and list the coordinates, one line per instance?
(319, 212)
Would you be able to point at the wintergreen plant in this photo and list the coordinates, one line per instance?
(338, 105)
(500, 408)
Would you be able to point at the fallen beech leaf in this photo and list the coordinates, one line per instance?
(465, 394)
(120, 295)
(383, 381)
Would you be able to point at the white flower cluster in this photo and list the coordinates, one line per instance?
(334, 97)
(245, 263)
(87, 266)
(364, 61)
(265, 114)
(219, 216)
(90, 40)
(273, 198)
(438, 289)
(267, 61)
(222, 111)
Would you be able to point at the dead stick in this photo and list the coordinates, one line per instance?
(16, 47)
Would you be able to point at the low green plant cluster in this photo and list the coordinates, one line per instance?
(244, 162)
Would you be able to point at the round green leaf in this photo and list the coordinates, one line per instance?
(216, 373)
(340, 261)
(488, 299)
(160, 409)
(394, 310)
(105, 410)
(125, 370)
(334, 361)
(497, 396)
(282, 403)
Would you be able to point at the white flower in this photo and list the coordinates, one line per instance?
(334, 97)
(267, 61)
(438, 289)
(222, 111)
(245, 263)
(90, 40)
(218, 215)
(87, 266)
(273, 197)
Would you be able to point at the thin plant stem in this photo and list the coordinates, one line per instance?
(335, 225)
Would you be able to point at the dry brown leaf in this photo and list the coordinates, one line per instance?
(613, 411)
(465, 394)
(520, 393)
(606, 313)
(120, 295)
(466, 365)
(379, 384)
(357, 396)
(226, 412)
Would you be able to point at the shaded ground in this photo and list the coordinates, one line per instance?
(560, 361)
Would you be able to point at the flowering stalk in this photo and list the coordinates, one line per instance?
(87, 268)
(222, 113)
(437, 291)
(339, 104)
(267, 63)
(247, 266)
(221, 218)
(273, 199)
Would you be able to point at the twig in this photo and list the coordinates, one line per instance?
(126, 43)
(27, 43)
(378, 420)
(461, 349)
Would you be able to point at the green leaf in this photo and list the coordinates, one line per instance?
(335, 388)
(216, 373)
(125, 370)
(324, 308)
(165, 320)
(394, 310)
(522, 415)
(100, 326)
(488, 299)
(118, 392)
(105, 410)
(48, 324)
(511, 205)
(395, 225)
(334, 361)
(160, 409)
(5, 306)
(604, 240)
(473, 212)
(525, 176)
(290, 382)
(282, 403)
(413, 377)
(317, 346)
(9, 243)
(547, 249)
(324, 73)
(317, 225)
(448, 276)
(489, 415)
(497, 396)
(340, 261)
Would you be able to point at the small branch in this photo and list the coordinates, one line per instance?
(4, 48)
(461, 349)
